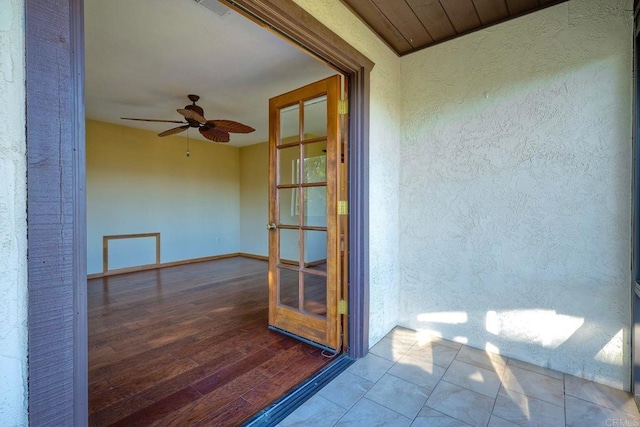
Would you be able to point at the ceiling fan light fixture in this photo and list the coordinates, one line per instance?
(213, 130)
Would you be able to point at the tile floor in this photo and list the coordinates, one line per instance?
(407, 380)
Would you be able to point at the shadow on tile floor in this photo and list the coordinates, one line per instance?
(407, 380)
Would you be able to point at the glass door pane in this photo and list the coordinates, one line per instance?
(289, 124)
(315, 162)
(289, 165)
(315, 206)
(315, 117)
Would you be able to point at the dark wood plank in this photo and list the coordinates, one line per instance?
(367, 11)
(183, 344)
(405, 21)
(283, 381)
(160, 409)
(462, 14)
(141, 401)
(242, 366)
(138, 382)
(517, 7)
(109, 363)
(217, 344)
(491, 11)
(433, 18)
(232, 414)
(200, 410)
(282, 361)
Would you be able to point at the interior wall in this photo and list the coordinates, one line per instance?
(13, 218)
(139, 183)
(214, 202)
(384, 161)
(515, 189)
(254, 199)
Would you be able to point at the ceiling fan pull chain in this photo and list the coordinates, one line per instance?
(188, 152)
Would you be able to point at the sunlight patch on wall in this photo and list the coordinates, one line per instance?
(612, 353)
(544, 327)
(448, 317)
(491, 348)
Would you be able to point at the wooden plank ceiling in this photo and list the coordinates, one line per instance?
(410, 25)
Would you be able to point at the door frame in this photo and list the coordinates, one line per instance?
(57, 309)
(635, 235)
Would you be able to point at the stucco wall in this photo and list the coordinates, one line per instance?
(515, 189)
(13, 218)
(384, 160)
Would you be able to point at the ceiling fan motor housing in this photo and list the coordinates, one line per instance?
(197, 109)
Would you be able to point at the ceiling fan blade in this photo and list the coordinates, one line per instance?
(190, 114)
(174, 130)
(230, 126)
(153, 120)
(214, 134)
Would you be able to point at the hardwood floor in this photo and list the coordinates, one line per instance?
(188, 345)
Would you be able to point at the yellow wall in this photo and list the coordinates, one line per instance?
(214, 202)
(254, 199)
(139, 183)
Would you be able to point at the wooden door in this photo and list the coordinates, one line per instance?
(305, 152)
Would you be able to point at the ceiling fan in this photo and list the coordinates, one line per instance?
(214, 130)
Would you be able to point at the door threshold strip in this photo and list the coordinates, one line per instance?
(278, 410)
(330, 350)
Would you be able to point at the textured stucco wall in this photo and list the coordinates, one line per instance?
(13, 218)
(515, 189)
(384, 160)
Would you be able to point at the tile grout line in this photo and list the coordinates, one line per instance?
(363, 395)
(425, 402)
(493, 407)
(616, 410)
(387, 373)
(535, 372)
(412, 420)
(442, 380)
(564, 394)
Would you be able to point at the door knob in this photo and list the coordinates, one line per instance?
(271, 226)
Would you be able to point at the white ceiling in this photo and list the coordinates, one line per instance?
(144, 57)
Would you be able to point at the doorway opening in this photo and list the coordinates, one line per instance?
(56, 188)
(178, 313)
